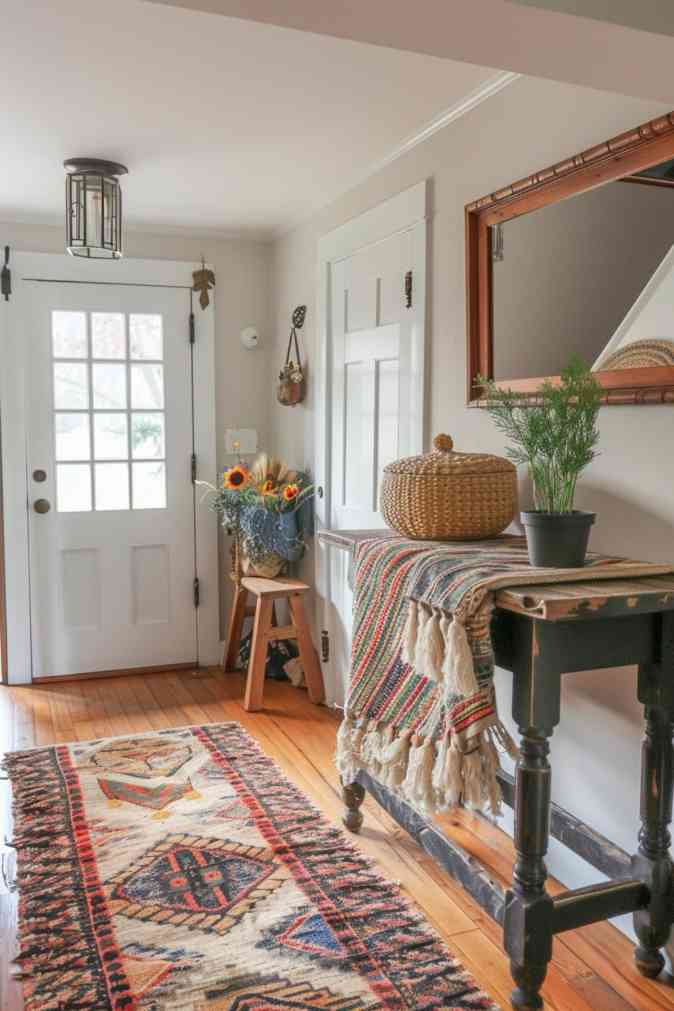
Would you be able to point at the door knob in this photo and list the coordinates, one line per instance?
(41, 505)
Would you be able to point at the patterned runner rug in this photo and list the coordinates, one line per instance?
(180, 870)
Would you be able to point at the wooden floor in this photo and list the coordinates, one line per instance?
(592, 968)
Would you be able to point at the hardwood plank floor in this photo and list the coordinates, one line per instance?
(592, 969)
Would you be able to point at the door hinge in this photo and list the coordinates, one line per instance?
(192, 329)
(195, 591)
(6, 278)
(408, 289)
(193, 468)
(325, 645)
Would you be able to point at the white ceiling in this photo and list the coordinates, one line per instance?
(554, 42)
(226, 125)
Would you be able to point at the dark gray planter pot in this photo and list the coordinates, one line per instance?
(557, 540)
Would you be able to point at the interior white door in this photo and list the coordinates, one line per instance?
(372, 375)
(110, 438)
(376, 389)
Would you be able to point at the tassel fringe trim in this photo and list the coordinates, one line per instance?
(429, 775)
(437, 646)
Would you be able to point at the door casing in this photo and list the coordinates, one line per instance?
(16, 620)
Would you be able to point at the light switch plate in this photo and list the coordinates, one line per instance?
(240, 441)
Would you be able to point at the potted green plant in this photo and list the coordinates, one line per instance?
(554, 432)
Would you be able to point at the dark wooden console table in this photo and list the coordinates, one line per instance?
(541, 633)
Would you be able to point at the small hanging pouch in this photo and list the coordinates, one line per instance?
(291, 377)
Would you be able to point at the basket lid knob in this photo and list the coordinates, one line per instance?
(443, 443)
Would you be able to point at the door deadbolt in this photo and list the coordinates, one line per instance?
(42, 505)
(39, 475)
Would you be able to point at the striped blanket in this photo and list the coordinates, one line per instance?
(421, 711)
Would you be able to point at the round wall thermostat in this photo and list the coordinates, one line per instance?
(250, 338)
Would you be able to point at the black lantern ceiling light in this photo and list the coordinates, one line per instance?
(94, 208)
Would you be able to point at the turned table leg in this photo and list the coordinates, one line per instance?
(528, 924)
(528, 915)
(653, 864)
(353, 795)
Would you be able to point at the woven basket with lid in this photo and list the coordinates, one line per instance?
(449, 496)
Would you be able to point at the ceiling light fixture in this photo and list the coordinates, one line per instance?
(94, 208)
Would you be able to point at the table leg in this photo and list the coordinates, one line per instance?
(528, 914)
(653, 864)
(353, 795)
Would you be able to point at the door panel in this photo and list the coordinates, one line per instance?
(110, 404)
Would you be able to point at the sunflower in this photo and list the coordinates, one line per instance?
(235, 478)
(268, 488)
(290, 492)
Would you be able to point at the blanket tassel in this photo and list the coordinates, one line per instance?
(447, 780)
(459, 666)
(394, 762)
(418, 784)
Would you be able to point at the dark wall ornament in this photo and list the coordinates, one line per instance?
(204, 280)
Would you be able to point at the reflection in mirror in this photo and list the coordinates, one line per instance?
(589, 275)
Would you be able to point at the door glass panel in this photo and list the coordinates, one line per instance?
(110, 437)
(69, 334)
(73, 440)
(147, 435)
(71, 386)
(145, 334)
(112, 486)
(147, 387)
(109, 383)
(149, 485)
(73, 487)
(108, 339)
(92, 410)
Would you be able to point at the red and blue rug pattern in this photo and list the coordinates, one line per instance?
(210, 885)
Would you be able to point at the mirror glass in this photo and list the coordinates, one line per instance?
(592, 275)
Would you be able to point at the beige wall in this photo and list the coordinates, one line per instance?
(530, 125)
(241, 299)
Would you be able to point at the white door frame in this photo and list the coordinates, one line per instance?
(405, 211)
(14, 432)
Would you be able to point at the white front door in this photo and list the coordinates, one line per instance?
(111, 499)
(374, 324)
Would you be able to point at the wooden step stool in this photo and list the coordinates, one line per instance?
(266, 591)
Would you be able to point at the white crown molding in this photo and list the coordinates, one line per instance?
(461, 108)
(484, 91)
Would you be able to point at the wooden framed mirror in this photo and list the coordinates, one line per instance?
(578, 258)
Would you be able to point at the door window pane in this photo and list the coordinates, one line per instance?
(145, 335)
(69, 334)
(72, 436)
(71, 386)
(109, 383)
(147, 387)
(107, 335)
(112, 486)
(110, 437)
(73, 487)
(149, 485)
(147, 435)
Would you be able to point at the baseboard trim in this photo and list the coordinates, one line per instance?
(167, 668)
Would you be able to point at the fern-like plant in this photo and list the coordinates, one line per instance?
(556, 435)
